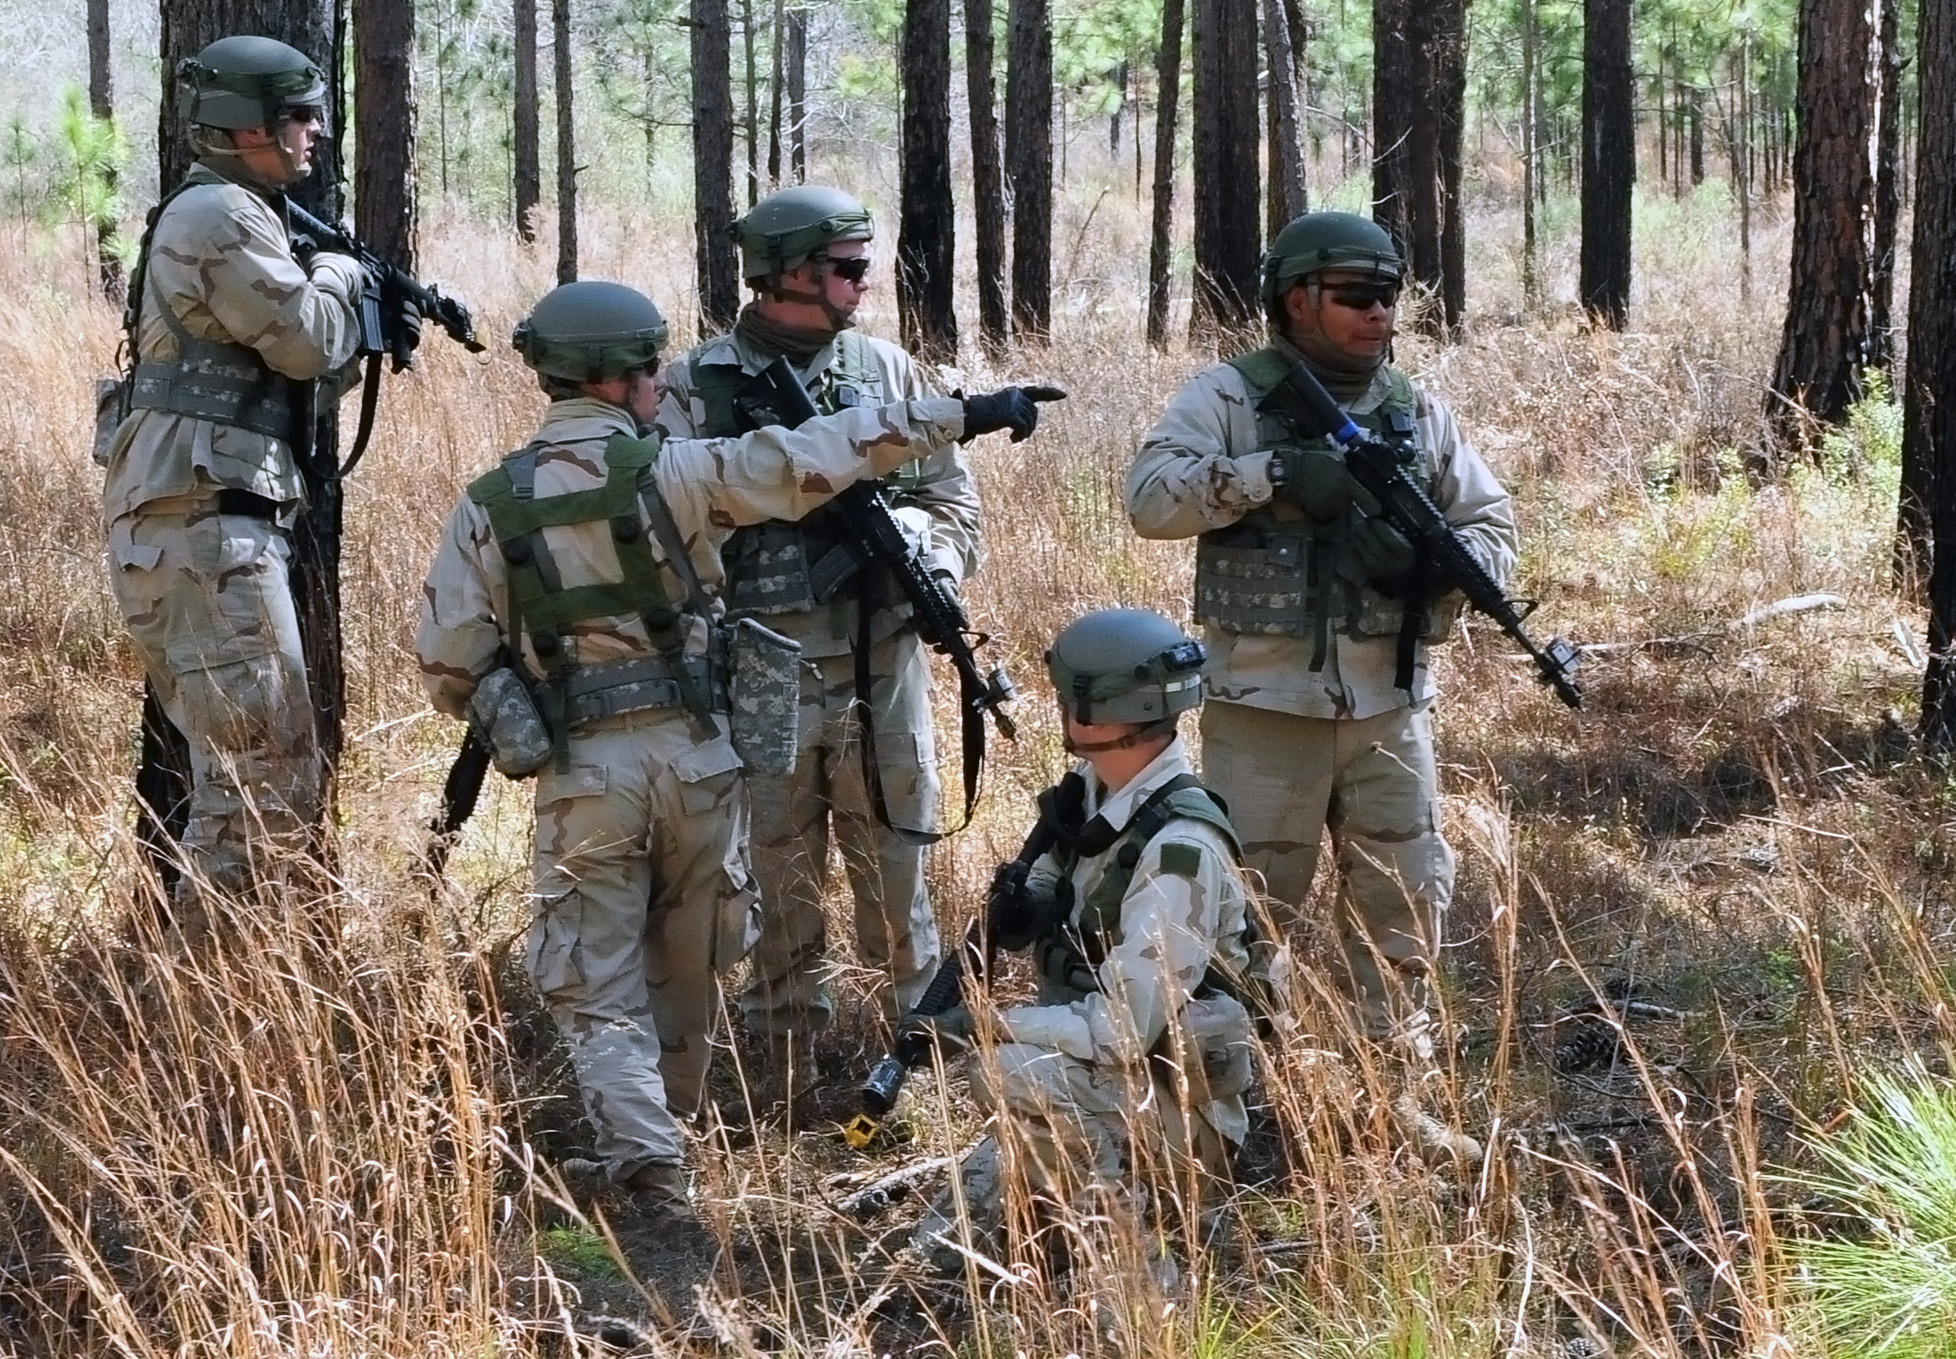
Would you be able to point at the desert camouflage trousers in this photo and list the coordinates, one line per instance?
(1102, 1141)
(795, 815)
(1371, 782)
(642, 898)
(207, 599)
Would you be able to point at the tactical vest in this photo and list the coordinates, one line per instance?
(230, 384)
(545, 610)
(1097, 931)
(780, 566)
(1277, 572)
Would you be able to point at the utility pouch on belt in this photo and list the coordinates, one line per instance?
(764, 692)
(505, 714)
(1211, 1044)
(111, 405)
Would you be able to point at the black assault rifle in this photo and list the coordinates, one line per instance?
(1010, 919)
(392, 307)
(1377, 467)
(871, 538)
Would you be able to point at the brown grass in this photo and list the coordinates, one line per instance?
(1727, 876)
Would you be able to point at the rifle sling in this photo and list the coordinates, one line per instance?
(369, 403)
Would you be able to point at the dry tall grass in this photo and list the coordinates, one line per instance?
(1688, 919)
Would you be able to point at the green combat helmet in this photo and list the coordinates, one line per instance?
(247, 81)
(1324, 240)
(589, 331)
(1126, 665)
(785, 228)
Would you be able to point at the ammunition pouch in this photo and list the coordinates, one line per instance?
(764, 696)
(780, 567)
(1208, 1046)
(505, 715)
(111, 409)
(228, 384)
(1275, 578)
(593, 693)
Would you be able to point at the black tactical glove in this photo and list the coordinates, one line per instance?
(1311, 479)
(947, 1034)
(1013, 408)
(1016, 912)
(1390, 562)
(1063, 965)
(403, 327)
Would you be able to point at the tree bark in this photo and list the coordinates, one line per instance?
(1439, 234)
(798, 89)
(1029, 164)
(1609, 162)
(752, 123)
(525, 147)
(987, 176)
(775, 93)
(383, 129)
(927, 234)
(560, 28)
(1226, 170)
(101, 102)
(1394, 95)
(1531, 151)
(314, 27)
(1825, 341)
(1286, 146)
(1929, 388)
(713, 215)
(1887, 188)
(1168, 90)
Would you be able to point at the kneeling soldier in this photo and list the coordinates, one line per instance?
(1128, 1075)
(573, 614)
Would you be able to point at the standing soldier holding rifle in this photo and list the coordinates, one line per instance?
(805, 252)
(230, 335)
(1319, 606)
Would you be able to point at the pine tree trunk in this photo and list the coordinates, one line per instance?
(1029, 164)
(1394, 94)
(987, 176)
(1824, 343)
(927, 234)
(798, 89)
(1929, 415)
(752, 124)
(101, 102)
(560, 29)
(1530, 154)
(1887, 189)
(526, 144)
(312, 26)
(1168, 91)
(1609, 162)
(1439, 127)
(775, 95)
(1286, 148)
(713, 214)
(383, 128)
(1226, 170)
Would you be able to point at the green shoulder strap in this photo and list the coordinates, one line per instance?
(1262, 368)
(715, 385)
(1181, 797)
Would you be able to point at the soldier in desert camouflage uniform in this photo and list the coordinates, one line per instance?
(574, 612)
(805, 252)
(232, 333)
(1320, 711)
(1126, 1079)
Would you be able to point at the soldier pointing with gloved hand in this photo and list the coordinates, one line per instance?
(1318, 611)
(576, 614)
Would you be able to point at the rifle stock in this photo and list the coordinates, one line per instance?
(1404, 503)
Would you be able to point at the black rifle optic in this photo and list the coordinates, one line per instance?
(872, 538)
(1010, 919)
(1377, 467)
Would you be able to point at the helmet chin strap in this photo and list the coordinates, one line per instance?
(1136, 737)
(207, 149)
(818, 297)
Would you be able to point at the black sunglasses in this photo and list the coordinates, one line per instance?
(853, 270)
(1363, 296)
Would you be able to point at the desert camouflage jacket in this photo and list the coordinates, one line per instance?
(713, 486)
(1201, 468)
(934, 497)
(222, 261)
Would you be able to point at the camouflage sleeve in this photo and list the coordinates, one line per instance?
(221, 260)
(778, 473)
(1465, 489)
(675, 419)
(1169, 922)
(1199, 467)
(458, 640)
(941, 485)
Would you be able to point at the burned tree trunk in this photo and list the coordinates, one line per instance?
(1929, 389)
(560, 27)
(927, 235)
(987, 176)
(526, 145)
(1226, 170)
(1168, 87)
(713, 214)
(383, 128)
(1029, 164)
(101, 103)
(1609, 162)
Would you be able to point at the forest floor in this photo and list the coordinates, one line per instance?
(1691, 920)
